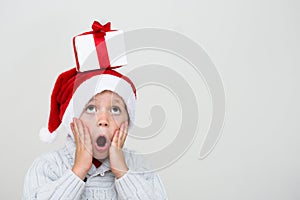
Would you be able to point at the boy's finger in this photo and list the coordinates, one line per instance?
(79, 127)
(123, 139)
(115, 138)
(73, 131)
(121, 133)
(125, 132)
(87, 139)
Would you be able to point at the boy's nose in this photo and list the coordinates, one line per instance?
(103, 120)
(103, 123)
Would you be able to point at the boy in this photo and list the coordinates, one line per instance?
(97, 109)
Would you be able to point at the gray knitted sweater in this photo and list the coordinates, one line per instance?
(51, 177)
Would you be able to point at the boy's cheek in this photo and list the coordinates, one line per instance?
(119, 120)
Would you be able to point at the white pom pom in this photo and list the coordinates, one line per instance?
(46, 136)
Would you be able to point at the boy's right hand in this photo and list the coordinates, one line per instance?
(83, 155)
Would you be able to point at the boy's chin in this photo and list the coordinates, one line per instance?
(100, 155)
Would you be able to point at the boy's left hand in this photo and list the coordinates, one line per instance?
(116, 156)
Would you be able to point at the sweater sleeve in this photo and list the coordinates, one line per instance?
(136, 186)
(43, 182)
(138, 183)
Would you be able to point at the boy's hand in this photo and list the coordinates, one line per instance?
(116, 156)
(83, 155)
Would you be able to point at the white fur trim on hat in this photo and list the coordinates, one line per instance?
(46, 136)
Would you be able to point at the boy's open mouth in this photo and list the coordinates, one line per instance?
(101, 141)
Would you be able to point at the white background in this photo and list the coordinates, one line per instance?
(254, 45)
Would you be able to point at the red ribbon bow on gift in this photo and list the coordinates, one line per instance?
(99, 31)
(97, 27)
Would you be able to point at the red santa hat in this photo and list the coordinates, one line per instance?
(75, 87)
(72, 90)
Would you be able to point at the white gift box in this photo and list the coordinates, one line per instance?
(88, 57)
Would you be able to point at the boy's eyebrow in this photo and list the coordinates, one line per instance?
(117, 101)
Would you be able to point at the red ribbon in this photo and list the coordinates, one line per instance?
(99, 31)
(97, 27)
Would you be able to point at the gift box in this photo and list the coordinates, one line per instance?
(100, 48)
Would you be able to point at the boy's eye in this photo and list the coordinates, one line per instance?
(91, 109)
(115, 110)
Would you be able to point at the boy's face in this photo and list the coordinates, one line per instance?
(103, 115)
